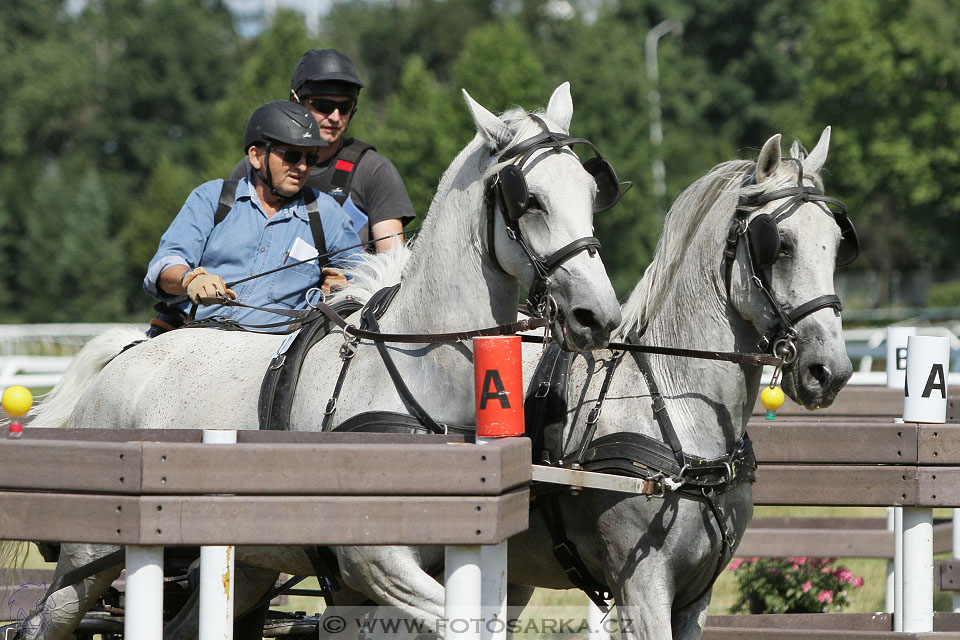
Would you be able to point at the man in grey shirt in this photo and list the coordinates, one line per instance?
(365, 184)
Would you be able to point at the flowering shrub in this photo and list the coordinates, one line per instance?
(792, 585)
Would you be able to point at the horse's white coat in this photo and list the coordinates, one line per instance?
(659, 555)
(200, 378)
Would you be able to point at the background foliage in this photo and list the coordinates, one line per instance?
(113, 112)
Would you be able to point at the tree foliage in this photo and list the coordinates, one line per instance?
(113, 112)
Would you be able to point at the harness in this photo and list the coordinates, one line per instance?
(509, 190)
(762, 244)
(662, 464)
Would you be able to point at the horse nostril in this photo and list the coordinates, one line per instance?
(820, 373)
(585, 318)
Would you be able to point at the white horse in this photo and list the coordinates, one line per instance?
(660, 556)
(539, 226)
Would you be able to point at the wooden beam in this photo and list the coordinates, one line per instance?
(195, 520)
(838, 485)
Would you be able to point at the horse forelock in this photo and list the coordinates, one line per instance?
(709, 203)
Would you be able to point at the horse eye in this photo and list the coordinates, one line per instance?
(534, 203)
(786, 249)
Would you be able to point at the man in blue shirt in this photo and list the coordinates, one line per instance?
(275, 220)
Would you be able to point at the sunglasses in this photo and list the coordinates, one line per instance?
(326, 105)
(293, 156)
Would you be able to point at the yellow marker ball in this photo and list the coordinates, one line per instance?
(16, 400)
(771, 398)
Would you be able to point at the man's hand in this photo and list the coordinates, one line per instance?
(201, 286)
(333, 280)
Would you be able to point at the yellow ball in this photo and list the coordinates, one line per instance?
(16, 400)
(771, 398)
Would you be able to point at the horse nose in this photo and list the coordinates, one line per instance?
(585, 320)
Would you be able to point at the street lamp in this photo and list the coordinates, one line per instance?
(656, 130)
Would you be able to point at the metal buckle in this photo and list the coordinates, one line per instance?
(331, 407)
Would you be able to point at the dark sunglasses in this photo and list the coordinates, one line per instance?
(326, 105)
(293, 156)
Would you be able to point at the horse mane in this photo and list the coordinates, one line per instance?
(709, 203)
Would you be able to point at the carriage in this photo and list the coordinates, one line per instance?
(742, 277)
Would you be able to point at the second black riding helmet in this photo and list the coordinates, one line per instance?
(282, 122)
(325, 71)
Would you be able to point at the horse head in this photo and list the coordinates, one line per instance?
(789, 237)
(540, 201)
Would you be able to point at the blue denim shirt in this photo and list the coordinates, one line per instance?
(247, 243)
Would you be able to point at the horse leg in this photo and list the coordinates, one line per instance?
(64, 608)
(688, 623)
(394, 576)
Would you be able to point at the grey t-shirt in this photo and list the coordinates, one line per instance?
(376, 190)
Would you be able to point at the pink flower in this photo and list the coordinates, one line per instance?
(800, 560)
(845, 575)
(857, 583)
(825, 569)
(736, 564)
(806, 586)
(825, 596)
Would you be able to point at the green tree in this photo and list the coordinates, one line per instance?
(886, 75)
(421, 154)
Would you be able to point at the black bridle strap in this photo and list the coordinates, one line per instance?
(565, 253)
(728, 356)
(377, 336)
(823, 302)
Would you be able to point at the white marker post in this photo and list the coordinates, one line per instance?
(897, 355)
(924, 400)
(216, 571)
(498, 390)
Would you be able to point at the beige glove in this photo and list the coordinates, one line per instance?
(202, 286)
(333, 280)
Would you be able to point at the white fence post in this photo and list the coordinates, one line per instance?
(917, 569)
(143, 618)
(216, 571)
(462, 593)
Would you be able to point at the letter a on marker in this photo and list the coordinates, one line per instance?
(499, 394)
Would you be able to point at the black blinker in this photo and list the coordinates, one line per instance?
(764, 240)
(608, 186)
(513, 189)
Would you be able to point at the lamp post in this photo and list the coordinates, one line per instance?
(656, 130)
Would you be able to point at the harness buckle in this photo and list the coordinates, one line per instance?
(331, 407)
(542, 390)
(348, 349)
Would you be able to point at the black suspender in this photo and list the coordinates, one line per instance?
(337, 178)
(228, 193)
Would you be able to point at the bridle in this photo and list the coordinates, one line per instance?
(762, 244)
(508, 192)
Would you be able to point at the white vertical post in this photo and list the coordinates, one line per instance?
(216, 571)
(595, 622)
(493, 591)
(917, 569)
(889, 603)
(462, 593)
(898, 568)
(144, 597)
(956, 554)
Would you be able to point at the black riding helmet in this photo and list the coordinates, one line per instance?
(281, 122)
(324, 71)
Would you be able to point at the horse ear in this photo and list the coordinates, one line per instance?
(560, 107)
(497, 133)
(815, 161)
(769, 159)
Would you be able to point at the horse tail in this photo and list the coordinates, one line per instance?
(58, 405)
(13, 556)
